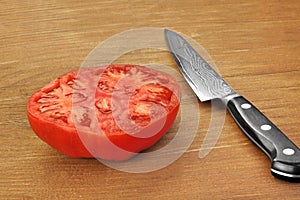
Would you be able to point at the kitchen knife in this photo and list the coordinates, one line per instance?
(208, 84)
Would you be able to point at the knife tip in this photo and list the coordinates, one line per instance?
(168, 32)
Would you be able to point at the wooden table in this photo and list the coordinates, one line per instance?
(255, 45)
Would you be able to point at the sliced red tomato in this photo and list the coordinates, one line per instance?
(108, 112)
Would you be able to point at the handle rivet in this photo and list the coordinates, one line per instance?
(265, 127)
(246, 106)
(288, 151)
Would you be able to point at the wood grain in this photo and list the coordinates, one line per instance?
(255, 45)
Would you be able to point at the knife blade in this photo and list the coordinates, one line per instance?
(208, 84)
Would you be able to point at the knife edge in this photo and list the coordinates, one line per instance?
(198, 73)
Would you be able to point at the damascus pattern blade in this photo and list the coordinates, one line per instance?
(202, 78)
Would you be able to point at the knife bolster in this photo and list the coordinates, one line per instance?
(226, 99)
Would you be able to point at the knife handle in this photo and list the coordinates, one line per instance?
(284, 154)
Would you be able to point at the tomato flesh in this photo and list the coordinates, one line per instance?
(133, 108)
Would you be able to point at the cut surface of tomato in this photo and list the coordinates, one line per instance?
(110, 112)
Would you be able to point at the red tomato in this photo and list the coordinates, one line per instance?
(108, 112)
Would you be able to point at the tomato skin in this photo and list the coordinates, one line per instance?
(64, 136)
(64, 139)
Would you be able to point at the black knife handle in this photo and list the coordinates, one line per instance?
(284, 154)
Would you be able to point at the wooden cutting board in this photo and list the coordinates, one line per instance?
(255, 45)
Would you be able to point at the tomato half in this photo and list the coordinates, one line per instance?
(107, 112)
